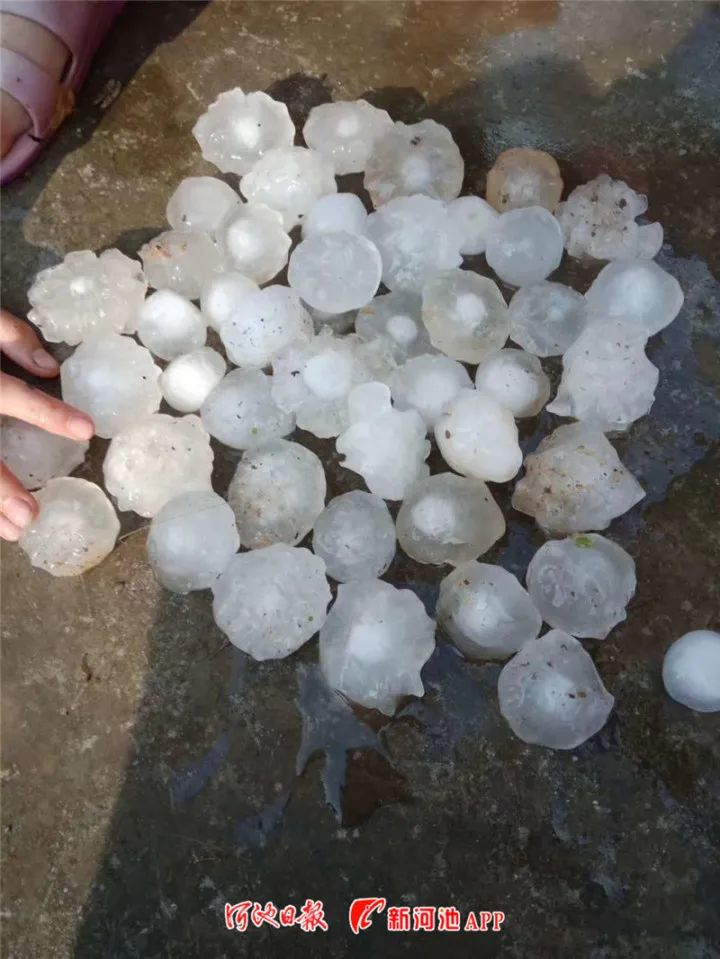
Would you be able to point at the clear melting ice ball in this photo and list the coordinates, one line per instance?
(254, 241)
(335, 272)
(182, 261)
(428, 384)
(35, 456)
(374, 643)
(691, 670)
(268, 322)
(546, 318)
(355, 536)
(516, 380)
(170, 325)
(241, 412)
(336, 212)
(189, 379)
(346, 132)
(289, 180)
(465, 315)
(640, 293)
(397, 317)
(75, 529)
(270, 601)
(200, 203)
(522, 177)
(475, 219)
(551, 694)
(478, 437)
(223, 295)
(525, 246)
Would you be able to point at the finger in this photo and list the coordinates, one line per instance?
(20, 342)
(33, 406)
(8, 530)
(17, 507)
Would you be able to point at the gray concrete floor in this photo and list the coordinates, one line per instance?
(150, 773)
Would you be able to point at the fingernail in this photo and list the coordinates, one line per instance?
(17, 511)
(44, 360)
(81, 427)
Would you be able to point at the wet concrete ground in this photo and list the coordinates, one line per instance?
(150, 773)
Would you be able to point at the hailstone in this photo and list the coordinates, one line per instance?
(525, 246)
(289, 180)
(114, 380)
(397, 317)
(516, 380)
(335, 272)
(336, 212)
(355, 536)
(87, 295)
(478, 437)
(486, 612)
(254, 241)
(522, 177)
(448, 519)
(346, 132)
(546, 318)
(428, 384)
(241, 412)
(223, 295)
(266, 323)
(551, 694)
(639, 293)
(465, 314)
(374, 643)
(691, 670)
(189, 379)
(475, 219)
(582, 584)
(35, 456)
(277, 493)
(169, 325)
(270, 601)
(181, 261)
(75, 529)
(200, 203)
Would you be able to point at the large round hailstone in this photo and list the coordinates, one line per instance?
(270, 601)
(640, 293)
(516, 380)
(200, 203)
(525, 246)
(546, 318)
(397, 317)
(449, 519)
(416, 239)
(277, 493)
(691, 670)
(374, 643)
(551, 694)
(388, 448)
(239, 128)
(355, 536)
(254, 241)
(335, 272)
(241, 412)
(575, 481)
(223, 295)
(35, 456)
(475, 219)
(336, 212)
(189, 379)
(521, 177)
(486, 612)
(465, 315)
(170, 325)
(114, 380)
(428, 384)
(75, 529)
(181, 260)
(159, 458)
(478, 437)
(582, 584)
(267, 322)
(411, 159)
(345, 132)
(87, 295)
(289, 180)
(191, 540)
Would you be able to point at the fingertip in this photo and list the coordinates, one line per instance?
(45, 363)
(81, 427)
(9, 531)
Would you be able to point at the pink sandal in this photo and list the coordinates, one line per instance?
(81, 25)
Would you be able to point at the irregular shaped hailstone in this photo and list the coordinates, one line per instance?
(87, 295)
(336, 212)
(114, 380)
(191, 540)
(465, 315)
(182, 261)
(223, 295)
(374, 643)
(416, 239)
(598, 220)
(475, 219)
(159, 458)
(522, 177)
(386, 447)
(277, 493)
(428, 384)
(268, 322)
(270, 601)
(582, 584)
(551, 694)
(289, 180)
(170, 325)
(75, 529)
(346, 132)
(546, 318)
(478, 437)
(449, 519)
(486, 612)
(35, 456)
(355, 536)
(525, 246)
(189, 379)
(640, 293)
(239, 128)
(200, 203)
(335, 272)
(607, 382)
(574, 481)
(516, 380)
(415, 158)
(691, 670)
(254, 241)
(241, 412)
(397, 318)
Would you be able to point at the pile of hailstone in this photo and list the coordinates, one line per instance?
(384, 341)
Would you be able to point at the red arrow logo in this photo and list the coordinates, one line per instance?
(360, 911)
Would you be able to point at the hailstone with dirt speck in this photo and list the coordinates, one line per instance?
(478, 437)
(200, 203)
(355, 536)
(691, 670)
(522, 177)
(336, 212)
(35, 456)
(546, 318)
(525, 246)
(267, 322)
(223, 295)
(335, 272)
(346, 132)
(289, 180)
(639, 293)
(428, 384)
(241, 412)
(465, 315)
(475, 219)
(182, 261)
(189, 379)
(516, 380)
(397, 317)
(170, 325)
(254, 241)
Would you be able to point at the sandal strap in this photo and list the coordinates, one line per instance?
(69, 20)
(33, 88)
